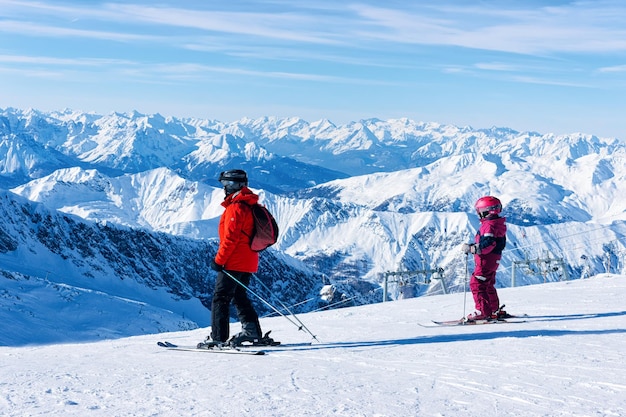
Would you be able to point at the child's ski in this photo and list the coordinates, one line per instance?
(465, 322)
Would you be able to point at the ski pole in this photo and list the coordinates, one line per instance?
(302, 326)
(258, 296)
(263, 300)
(271, 314)
(465, 284)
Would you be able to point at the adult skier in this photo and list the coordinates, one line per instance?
(487, 248)
(235, 259)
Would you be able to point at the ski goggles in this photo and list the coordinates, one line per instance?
(230, 183)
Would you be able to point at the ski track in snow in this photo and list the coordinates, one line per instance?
(568, 359)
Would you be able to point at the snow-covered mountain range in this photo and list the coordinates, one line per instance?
(353, 202)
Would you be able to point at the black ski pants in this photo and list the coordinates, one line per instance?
(227, 290)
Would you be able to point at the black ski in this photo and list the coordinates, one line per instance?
(215, 349)
(276, 346)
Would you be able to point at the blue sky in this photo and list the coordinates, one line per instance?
(546, 66)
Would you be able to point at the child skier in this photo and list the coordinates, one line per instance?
(487, 250)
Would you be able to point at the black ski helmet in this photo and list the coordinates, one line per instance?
(233, 180)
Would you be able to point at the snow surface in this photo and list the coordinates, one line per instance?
(567, 359)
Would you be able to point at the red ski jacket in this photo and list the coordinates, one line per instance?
(491, 238)
(235, 228)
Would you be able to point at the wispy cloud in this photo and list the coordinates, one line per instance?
(589, 27)
(63, 69)
(546, 81)
(524, 28)
(517, 73)
(197, 71)
(613, 69)
(497, 66)
(45, 60)
(281, 26)
(176, 71)
(44, 30)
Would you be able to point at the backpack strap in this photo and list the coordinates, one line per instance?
(243, 203)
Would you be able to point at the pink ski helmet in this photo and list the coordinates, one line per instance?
(488, 206)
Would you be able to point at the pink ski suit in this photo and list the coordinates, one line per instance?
(491, 239)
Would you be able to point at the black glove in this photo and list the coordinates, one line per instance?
(216, 267)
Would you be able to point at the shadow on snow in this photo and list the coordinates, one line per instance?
(473, 336)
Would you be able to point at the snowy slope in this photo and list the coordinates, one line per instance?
(567, 359)
(44, 311)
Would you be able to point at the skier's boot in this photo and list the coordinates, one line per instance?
(211, 344)
(250, 334)
(240, 338)
(501, 314)
(478, 316)
(266, 340)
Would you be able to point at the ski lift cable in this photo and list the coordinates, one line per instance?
(561, 238)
